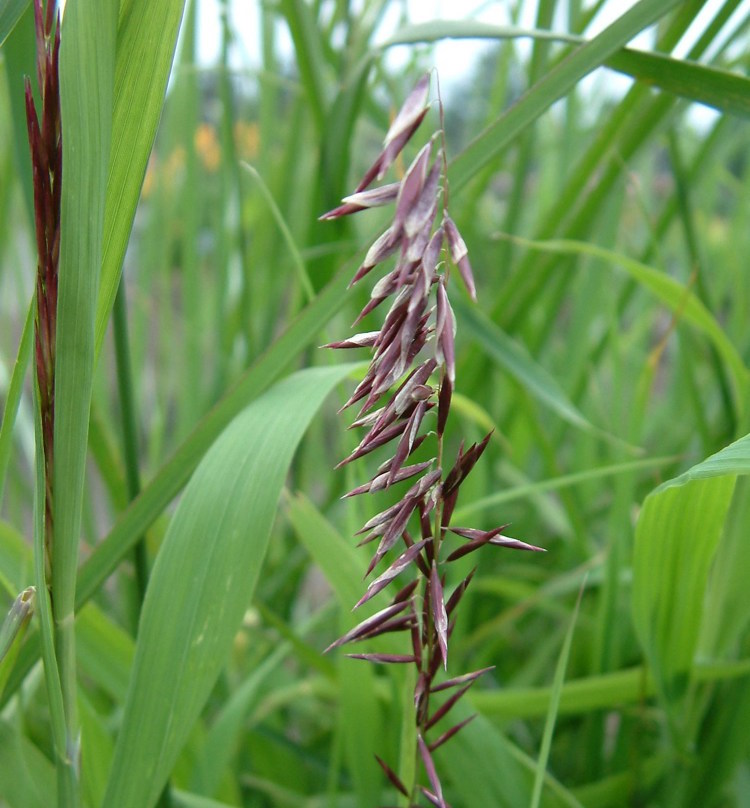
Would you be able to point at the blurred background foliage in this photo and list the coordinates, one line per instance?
(600, 378)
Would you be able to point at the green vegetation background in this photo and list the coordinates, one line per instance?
(608, 352)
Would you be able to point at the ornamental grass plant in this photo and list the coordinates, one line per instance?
(551, 351)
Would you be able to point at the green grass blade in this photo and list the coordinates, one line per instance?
(731, 460)
(600, 692)
(177, 470)
(680, 300)
(86, 81)
(297, 259)
(13, 399)
(554, 704)
(557, 83)
(12, 631)
(669, 582)
(721, 89)
(724, 91)
(146, 40)
(11, 12)
(309, 54)
(516, 360)
(203, 580)
(27, 778)
(556, 483)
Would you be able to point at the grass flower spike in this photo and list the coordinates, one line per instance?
(404, 400)
(46, 159)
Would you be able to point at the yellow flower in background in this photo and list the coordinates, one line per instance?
(247, 139)
(174, 169)
(207, 146)
(151, 176)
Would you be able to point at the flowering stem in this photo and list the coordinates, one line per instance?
(415, 341)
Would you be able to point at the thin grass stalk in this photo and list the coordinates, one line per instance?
(685, 207)
(129, 431)
(46, 155)
(544, 18)
(15, 393)
(67, 778)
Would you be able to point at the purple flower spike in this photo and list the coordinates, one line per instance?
(413, 371)
(386, 659)
(368, 625)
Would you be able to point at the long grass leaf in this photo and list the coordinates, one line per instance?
(27, 778)
(556, 483)
(177, 470)
(297, 259)
(554, 703)
(11, 12)
(680, 299)
(511, 355)
(601, 692)
(677, 534)
(86, 81)
(203, 580)
(721, 89)
(13, 399)
(146, 40)
(309, 54)
(557, 83)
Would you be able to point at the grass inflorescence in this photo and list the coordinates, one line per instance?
(412, 376)
(170, 428)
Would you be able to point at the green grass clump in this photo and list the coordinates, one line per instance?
(201, 539)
